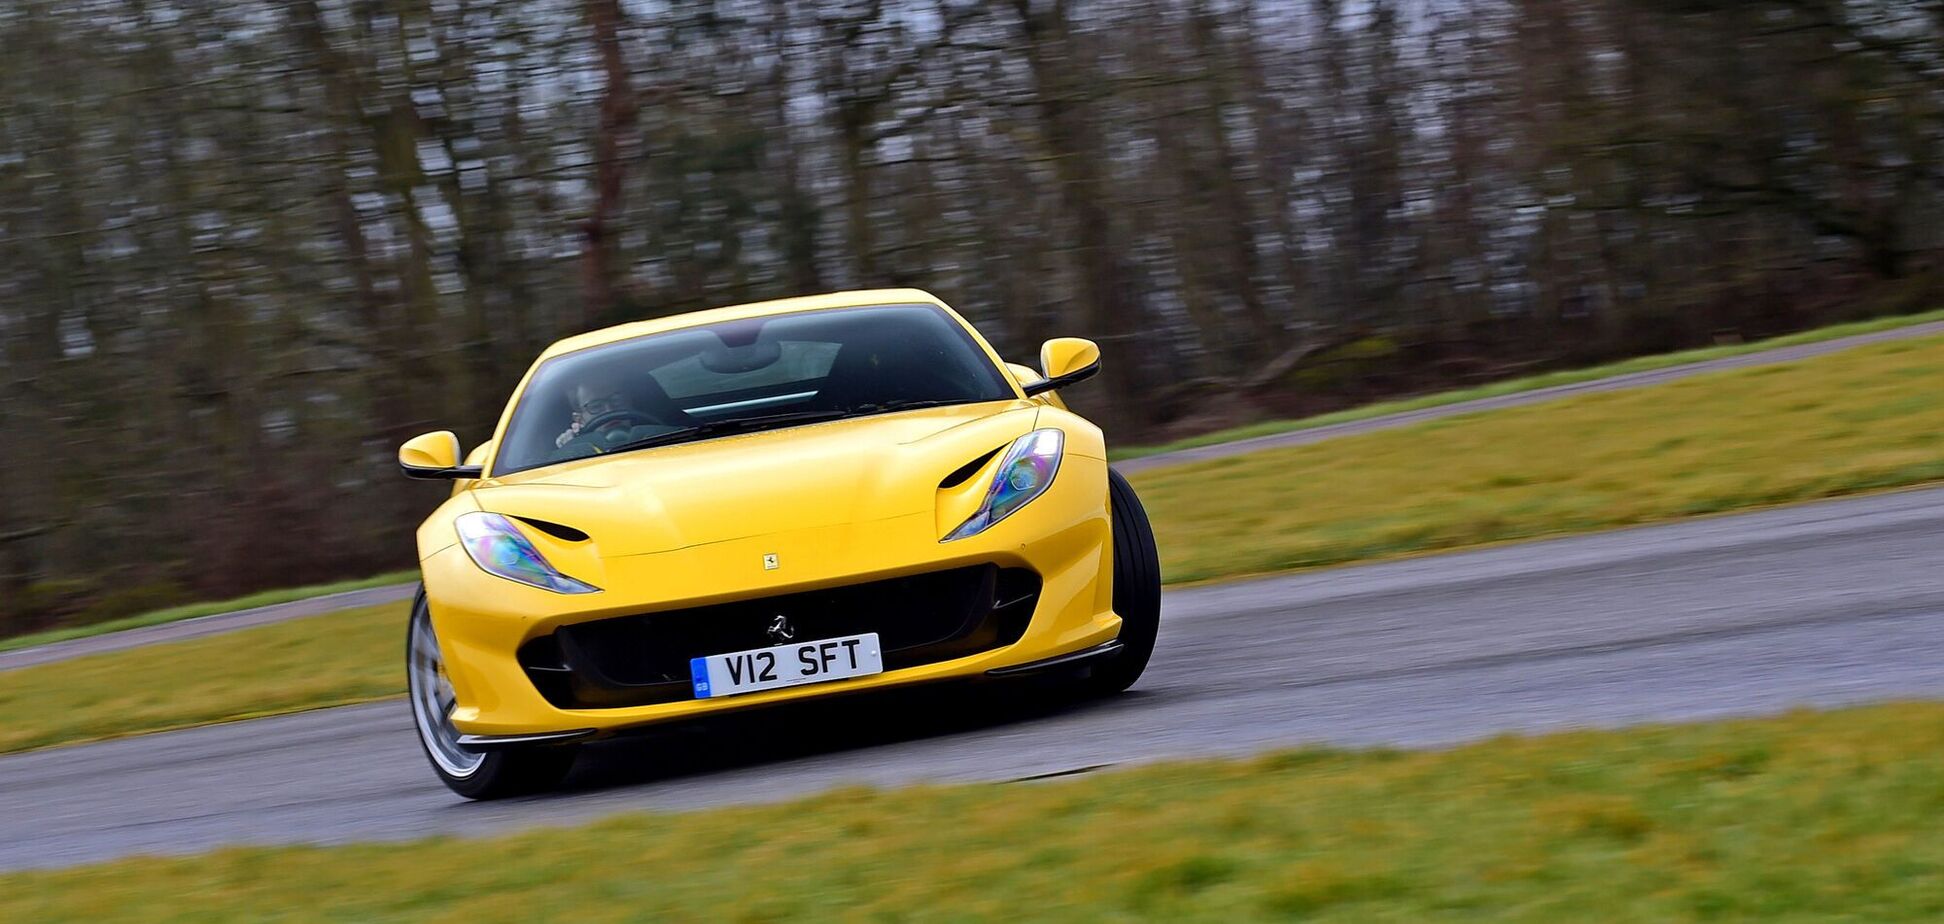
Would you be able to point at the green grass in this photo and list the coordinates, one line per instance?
(330, 660)
(1529, 383)
(1810, 816)
(193, 610)
(1862, 419)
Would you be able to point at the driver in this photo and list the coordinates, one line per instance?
(593, 398)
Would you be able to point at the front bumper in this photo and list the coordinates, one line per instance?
(483, 621)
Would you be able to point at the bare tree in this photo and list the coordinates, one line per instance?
(264, 241)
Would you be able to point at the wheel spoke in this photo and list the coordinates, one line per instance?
(434, 701)
(425, 647)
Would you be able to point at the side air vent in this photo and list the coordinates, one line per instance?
(958, 475)
(563, 533)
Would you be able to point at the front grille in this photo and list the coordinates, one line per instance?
(921, 619)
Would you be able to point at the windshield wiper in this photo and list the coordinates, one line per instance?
(666, 436)
(886, 407)
(723, 427)
(745, 424)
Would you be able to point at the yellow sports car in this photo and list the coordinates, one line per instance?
(761, 504)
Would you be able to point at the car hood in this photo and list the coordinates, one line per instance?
(687, 494)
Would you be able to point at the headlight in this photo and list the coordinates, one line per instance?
(499, 548)
(1029, 466)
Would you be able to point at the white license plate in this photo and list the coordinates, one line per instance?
(786, 665)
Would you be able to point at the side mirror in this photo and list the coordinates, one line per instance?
(1065, 360)
(434, 456)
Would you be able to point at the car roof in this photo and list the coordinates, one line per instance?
(853, 299)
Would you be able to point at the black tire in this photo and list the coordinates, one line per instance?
(1137, 592)
(514, 771)
(494, 774)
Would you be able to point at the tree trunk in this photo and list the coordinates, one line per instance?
(1072, 138)
(600, 298)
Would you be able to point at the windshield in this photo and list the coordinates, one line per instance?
(738, 376)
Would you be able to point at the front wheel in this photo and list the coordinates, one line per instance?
(1137, 591)
(471, 773)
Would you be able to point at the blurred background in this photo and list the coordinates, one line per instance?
(247, 247)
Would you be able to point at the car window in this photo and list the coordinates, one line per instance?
(733, 376)
(798, 361)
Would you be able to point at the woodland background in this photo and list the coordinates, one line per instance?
(249, 246)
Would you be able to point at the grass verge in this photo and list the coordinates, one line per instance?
(331, 660)
(194, 610)
(1530, 383)
(1809, 816)
(1862, 419)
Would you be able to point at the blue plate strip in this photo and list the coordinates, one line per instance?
(699, 675)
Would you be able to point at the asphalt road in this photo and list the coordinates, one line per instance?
(243, 619)
(1823, 604)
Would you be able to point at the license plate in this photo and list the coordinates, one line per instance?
(785, 665)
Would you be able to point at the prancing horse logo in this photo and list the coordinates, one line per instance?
(780, 630)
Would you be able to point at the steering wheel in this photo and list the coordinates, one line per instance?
(595, 423)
